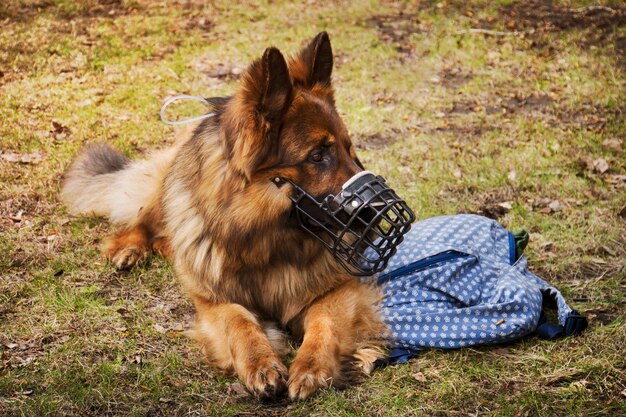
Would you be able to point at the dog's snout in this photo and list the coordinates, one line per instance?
(351, 172)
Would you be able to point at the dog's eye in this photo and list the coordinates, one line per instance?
(316, 157)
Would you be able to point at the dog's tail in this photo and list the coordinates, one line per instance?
(104, 182)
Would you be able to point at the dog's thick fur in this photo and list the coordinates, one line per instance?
(209, 204)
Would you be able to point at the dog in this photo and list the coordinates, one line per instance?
(208, 203)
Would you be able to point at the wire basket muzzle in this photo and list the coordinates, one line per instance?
(361, 226)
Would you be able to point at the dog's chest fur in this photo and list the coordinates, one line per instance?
(230, 242)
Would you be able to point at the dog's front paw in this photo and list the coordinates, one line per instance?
(307, 376)
(267, 378)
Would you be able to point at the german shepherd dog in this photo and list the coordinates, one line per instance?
(209, 205)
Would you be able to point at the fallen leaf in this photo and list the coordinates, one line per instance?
(17, 217)
(223, 71)
(419, 377)
(512, 176)
(556, 205)
(580, 384)
(84, 103)
(29, 158)
(504, 351)
(53, 237)
(42, 134)
(600, 165)
(612, 145)
(11, 345)
(616, 179)
(59, 130)
(159, 328)
(539, 202)
(546, 245)
(493, 57)
(608, 250)
(599, 261)
(586, 163)
(26, 361)
(507, 205)
(590, 194)
(238, 389)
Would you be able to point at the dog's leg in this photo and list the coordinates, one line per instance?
(128, 246)
(161, 245)
(342, 328)
(133, 243)
(234, 340)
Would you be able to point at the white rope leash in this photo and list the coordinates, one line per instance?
(184, 121)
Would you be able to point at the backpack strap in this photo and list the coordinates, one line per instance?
(571, 321)
(398, 356)
(575, 323)
(548, 331)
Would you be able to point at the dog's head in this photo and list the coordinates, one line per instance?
(282, 126)
(283, 121)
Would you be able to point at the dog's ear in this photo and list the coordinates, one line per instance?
(277, 88)
(314, 64)
(254, 120)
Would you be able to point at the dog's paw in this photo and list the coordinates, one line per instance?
(366, 357)
(306, 377)
(267, 379)
(125, 258)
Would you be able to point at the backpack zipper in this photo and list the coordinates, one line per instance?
(512, 250)
(421, 264)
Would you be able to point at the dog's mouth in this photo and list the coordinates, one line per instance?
(361, 226)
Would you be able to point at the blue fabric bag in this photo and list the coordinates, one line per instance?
(457, 281)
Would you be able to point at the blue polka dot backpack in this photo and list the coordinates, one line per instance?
(462, 281)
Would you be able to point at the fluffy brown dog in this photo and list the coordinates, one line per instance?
(209, 204)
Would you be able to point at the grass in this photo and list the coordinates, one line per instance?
(456, 121)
